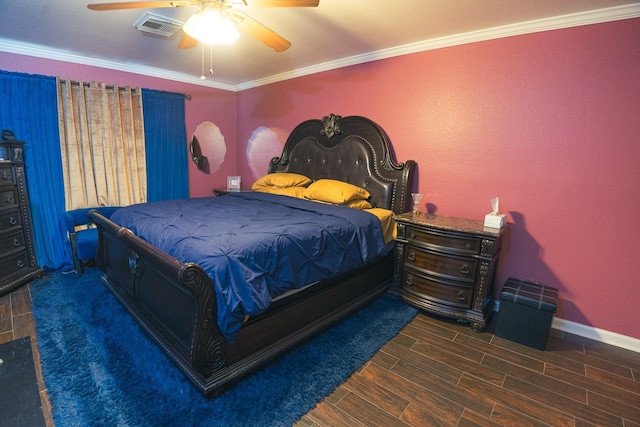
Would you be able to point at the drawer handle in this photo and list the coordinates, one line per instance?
(467, 245)
(409, 281)
(412, 235)
(16, 243)
(464, 269)
(11, 200)
(20, 263)
(412, 256)
(461, 296)
(13, 220)
(6, 176)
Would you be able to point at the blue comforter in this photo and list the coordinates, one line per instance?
(256, 246)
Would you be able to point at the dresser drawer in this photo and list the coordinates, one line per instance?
(10, 220)
(13, 263)
(444, 241)
(8, 197)
(446, 266)
(12, 241)
(6, 176)
(421, 287)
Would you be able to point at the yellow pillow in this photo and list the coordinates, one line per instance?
(387, 222)
(288, 191)
(358, 204)
(281, 180)
(354, 204)
(336, 192)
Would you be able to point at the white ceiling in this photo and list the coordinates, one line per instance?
(336, 33)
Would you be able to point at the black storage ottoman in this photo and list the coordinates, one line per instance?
(526, 312)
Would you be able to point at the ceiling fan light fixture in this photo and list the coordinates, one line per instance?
(208, 26)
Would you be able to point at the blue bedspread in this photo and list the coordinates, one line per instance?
(256, 246)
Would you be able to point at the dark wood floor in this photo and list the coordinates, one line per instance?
(438, 372)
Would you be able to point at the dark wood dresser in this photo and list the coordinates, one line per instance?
(446, 265)
(17, 253)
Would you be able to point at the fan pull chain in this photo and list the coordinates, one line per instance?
(202, 76)
(211, 57)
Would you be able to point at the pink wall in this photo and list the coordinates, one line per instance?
(206, 104)
(548, 122)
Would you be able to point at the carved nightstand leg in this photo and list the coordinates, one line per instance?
(477, 326)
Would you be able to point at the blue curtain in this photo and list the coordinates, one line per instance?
(29, 108)
(165, 145)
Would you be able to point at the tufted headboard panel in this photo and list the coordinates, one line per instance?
(352, 149)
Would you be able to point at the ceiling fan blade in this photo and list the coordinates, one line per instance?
(187, 42)
(137, 5)
(282, 3)
(260, 32)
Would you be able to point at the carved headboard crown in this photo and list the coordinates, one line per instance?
(352, 149)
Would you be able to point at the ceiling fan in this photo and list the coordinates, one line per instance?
(229, 10)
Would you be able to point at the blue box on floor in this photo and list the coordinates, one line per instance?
(526, 312)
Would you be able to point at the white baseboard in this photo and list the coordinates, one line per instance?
(596, 334)
(590, 332)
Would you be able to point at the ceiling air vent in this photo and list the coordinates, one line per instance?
(160, 25)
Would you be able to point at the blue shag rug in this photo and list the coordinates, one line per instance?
(101, 369)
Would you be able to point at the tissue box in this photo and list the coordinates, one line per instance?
(494, 221)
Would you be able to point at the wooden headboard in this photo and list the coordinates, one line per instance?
(352, 149)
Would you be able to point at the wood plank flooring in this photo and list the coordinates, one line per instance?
(437, 372)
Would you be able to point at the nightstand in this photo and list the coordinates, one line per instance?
(446, 265)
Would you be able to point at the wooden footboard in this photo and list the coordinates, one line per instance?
(175, 303)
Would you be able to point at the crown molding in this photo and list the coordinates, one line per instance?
(558, 22)
(11, 46)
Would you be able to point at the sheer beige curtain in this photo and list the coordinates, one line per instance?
(102, 144)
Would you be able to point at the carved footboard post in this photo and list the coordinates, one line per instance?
(208, 345)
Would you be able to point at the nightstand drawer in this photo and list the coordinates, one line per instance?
(444, 241)
(417, 286)
(450, 267)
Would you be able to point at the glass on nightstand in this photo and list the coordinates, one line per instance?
(417, 197)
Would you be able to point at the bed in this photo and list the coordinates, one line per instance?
(179, 303)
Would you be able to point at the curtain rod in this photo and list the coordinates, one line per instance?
(86, 84)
